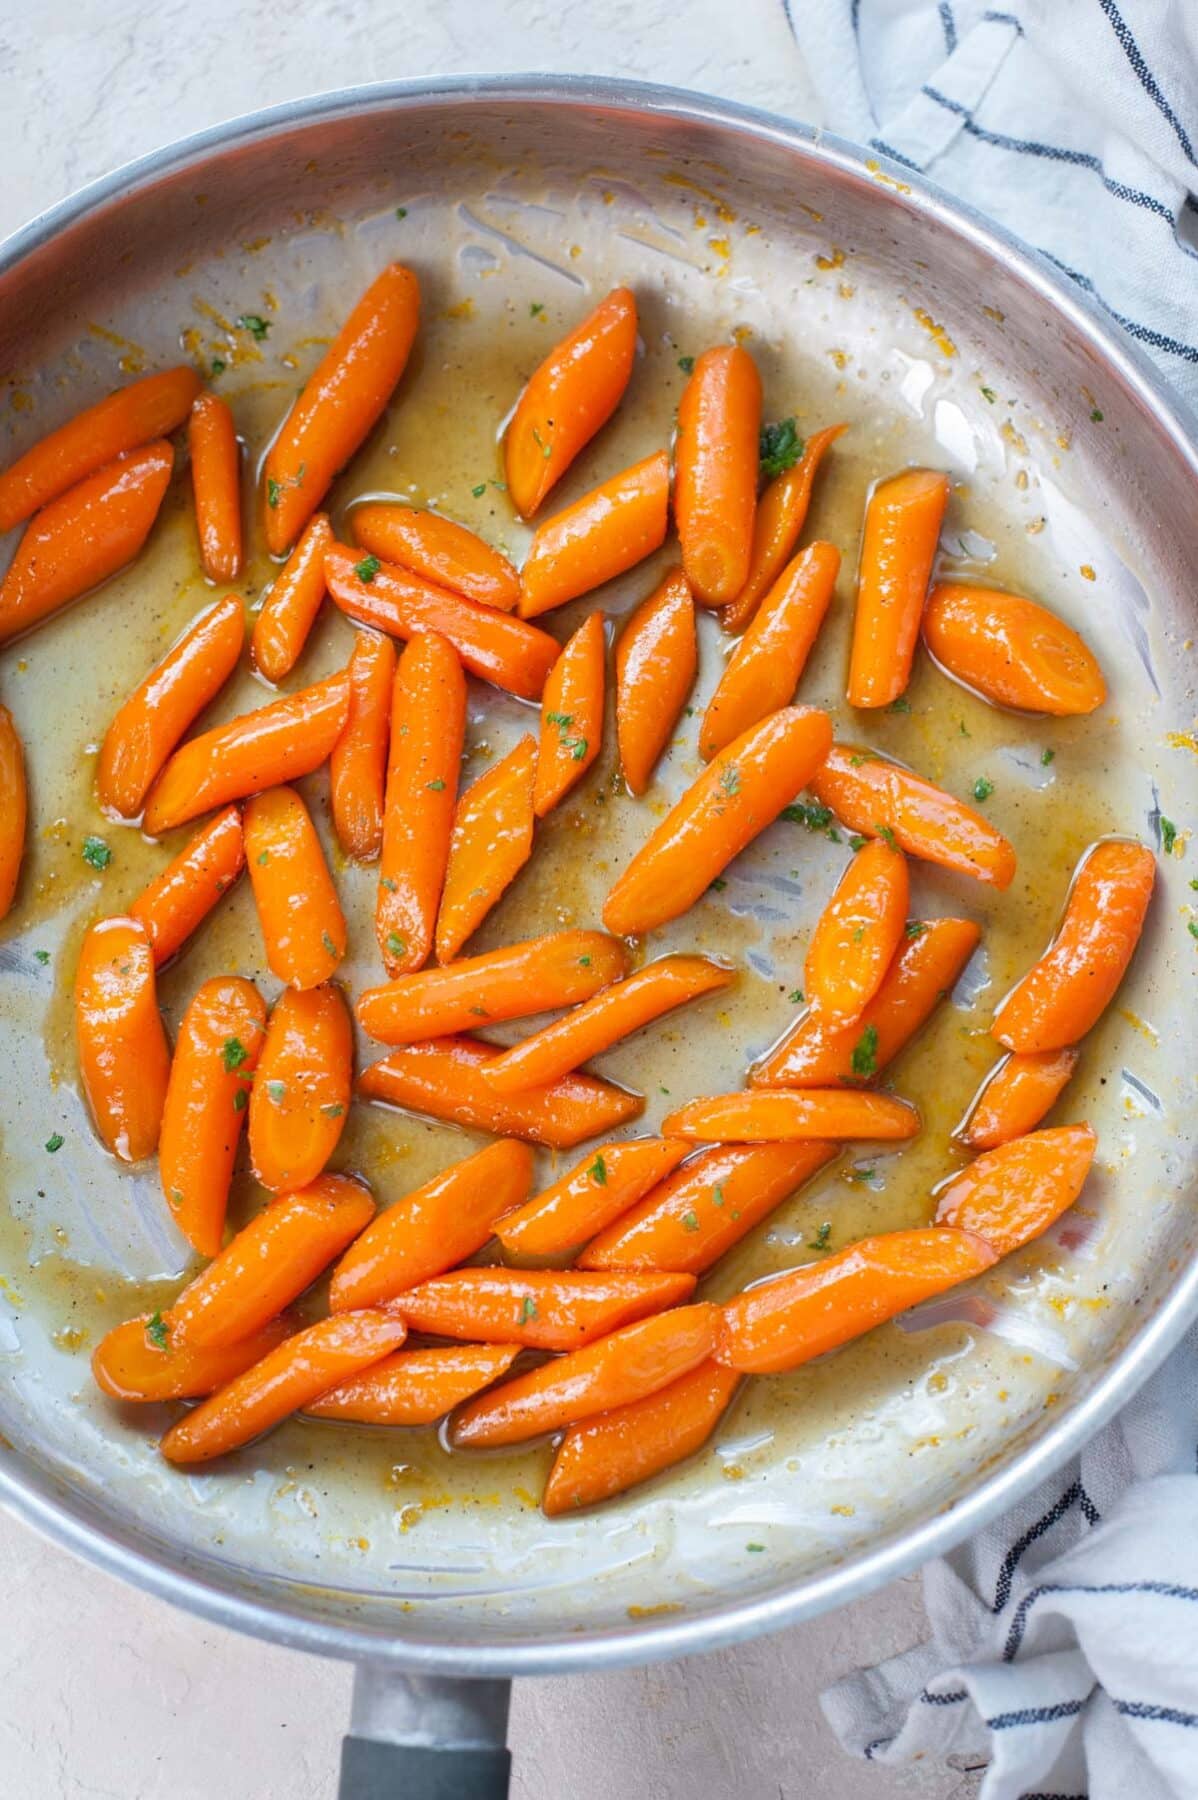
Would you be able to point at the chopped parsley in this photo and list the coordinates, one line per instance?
(535, 307)
(795, 996)
(176, 1196)
(779, 448)
(983, 787)
(865, 1052)
(368, 568)
(55, 1142)
(255, 324)
(865, 1176)
(541, 445)
(158, 1331)
(686, 364)
(584, 962)
(1192, 927)
(435, 787)
(96, 852)
(528, 1310)
(822, 1237)
(1046, 756)
(989, 394)
(480, 490)
(857, 842)
(329, 945)
(42, 956)
(218, 366)
(718, 885)
(577, 746)
(395, 944)
(717, 1195)
(810, 814)
(401, 212)
(598, 1172)
(263, 858)
(914, 928)
(690, 1221)
(1096, 414)
(886, 834)
(332, 1111)
(755, 1547)
(730, 779)
(240, 1100)
(901, 705)
(233, 1053)
(1168, 835)
(276, 1092)
(273, 491)
(385, 881)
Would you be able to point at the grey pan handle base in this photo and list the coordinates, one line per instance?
(424, 1737)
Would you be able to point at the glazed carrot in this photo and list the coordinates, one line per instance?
(342, 401)
(145, 1360)
(816, 1053)
(586, 1031)
(416, 1387)
(609, 530)
(781, 514)
(858, 932)
(490, 843)
(494, 646)
(742, 791)
(216, 478)
(440, 549)
(784, 1322)
(765, 1115)
(571, 715)
(176, 902)
(617, 1450)
(872, 796)
(159, 710)
(656, 660)
(124, 1061)
(303, 925)
(706, 1206)
(290, 1377)
(150, 408)
(358, 765)
(272, 1260)
(624, 1366)
(767, 663)
(902, 529)
(14, 807)
(261, 749)
(216, 1053)
(544, 1309)
(1068, 989)
(1015, 1096)
(1014, 1192)
(302, 1089)
(428, 723)
(433, 1227)
(569, 397)
(539, 975)
(715, 472)
(292, 603)
(1011, 650)
(601, 1189)
(445, 1081)
(83, 537)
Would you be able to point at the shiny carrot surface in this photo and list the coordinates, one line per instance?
(781, 514)
(292, 603)
(858, 932)
(656, 660)
(1013, 1193)
(179, 899)
(608, 531)
(303, 926)
(902, 530)
(440, 550)
(544, 1309)
(602, 1188)
(358, 765)
(124, 1061)
(147, 1359)
(571, 715)
(1015, 1096)
(302, 1089)
(14, 807)
(415, 1387)
(715, 472)
(490, 843)
(763, 1115)
(1011, 650)
(216, 480)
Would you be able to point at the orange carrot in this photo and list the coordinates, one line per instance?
(784, 1115)
(872, 796)
(159, 710)
(609, 530)
(598, 1191)
(176, 902)
(767, 663)
(1068, 989)
(571, 715)
(416, 1387)
(741, 792)
(83, 537)
(858, 932)
(545, 1309)
(219, 1043)
(715, 472)
(781, 514)
(656, 660)
(342, 401)
(569, 397)
(292, 603)
(490, 843)
(440, 549)
(14, 807)
(1014, 1192)
(358, 765)
(124, 1061)
(902, 529)
(445, 1081)
(1011, 650)
(302, 1089)
(216, 477)
(303, 925)
(145, 1360)
(1015, 1096)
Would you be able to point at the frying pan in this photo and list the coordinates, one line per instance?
(869, 290)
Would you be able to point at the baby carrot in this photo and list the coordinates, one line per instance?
(536, 976)
(303, 925)
(624, 1366)
(216, 478)
(1015, 1096)
(428, 723)
(545, 1309)
(84, 536)
(858, 932)
(765, 1115)
(342, 401)
(358, 765)
(742, 791)
(440, 549)
(571, 715)
(1068, 989)
(416, 1387)
(292, 603)
(261, 749)
(902, 530)
(586, 1031)
(767, 663)
(872, 796)
(150, 408)
(302, 1090)
(159, 710)
(609, 530)
(14, 807)
(176, 902)
(272, 1260)
(432, 1227)
(1014, 1192)
(781, 514)
(1011, 650)
(656, 660)
(490, 843)
(569, 397)
(146, 1360)
(598, 1191)
(715, 472)
(124, 1061)
(444, 1080)
(787, 1320)
(288, 1378)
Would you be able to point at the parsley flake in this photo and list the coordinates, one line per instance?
(55, 1142)
(730, 779)
(810, 814)
(240, 1100)
(535, 308)
(887, 835)
(687, 364)
(779, 448)
(263, 858)
(255, 324)
(1168, 835)
(795, 996)
(865, 1052)
(857, 842)
(218, 365)
(395, 944)
(368, 568)
(989, 394)
(329, 945)
(823, 1235)
(717, 1195)
(983, 787)
(158, 1331)
(96, 852)
(755, 1547)
(1096, 414)
(276, 1092)
(1046, 756)
(435, 787)
(901, 705)
(42, 956)
(598, 1172)
(401, 212)
(1192, 927)
(480, 490)
(914, 928)
(333, 1111)
(233, 1053)
(690, 1221)
(528, 1310)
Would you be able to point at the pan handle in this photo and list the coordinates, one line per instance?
(425, 1737)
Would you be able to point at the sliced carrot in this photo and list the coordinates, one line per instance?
(342, 401)
(569, 397)
(765, 1115)
(177, 901)
(124, 1061)
(445, 1081)
(902, 530)
(545, 1309)
(1011, 650)
(14, 807)
(416, 1387)
(1068, 989)
(302, 1090)
(216, 479)
(490, 843)
(1015, 1096)
(742, 791)
(601, 1189)
(608, 531)
(715, 472)
(439, 549)
(781, 515)
(146, 1360)
(1014, 1192)
(872, 796)
(159, 710)
(571, 715)
(292, 603)
(303, 925)
(216, 1053)
(656, 660)
(858, 932)
(358, 765)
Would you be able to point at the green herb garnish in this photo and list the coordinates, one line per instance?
(528, 1310)
(598, 1172)
(158, 1331)
(395, 944)
(822, 1237)
(276, 1092)
(255, 324)
(42, 956)
(690, 1221)
(779, 448)
(368, 568)
(1046, 756)
(865, 1052)
(983, 787)
(233, 1053)
(55, 1142)
(1168, 835)
(687, 364)
(96, 852)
